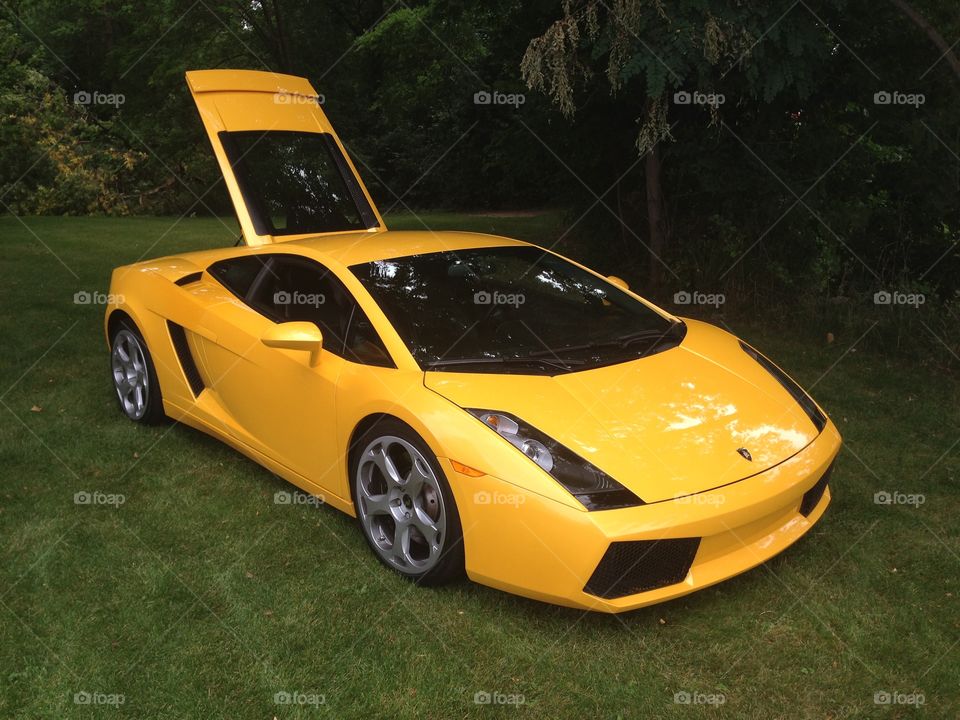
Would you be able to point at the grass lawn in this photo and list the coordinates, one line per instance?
(199, 597)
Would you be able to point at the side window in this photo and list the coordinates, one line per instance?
(363, 343)
(238, 274)
(296, 289)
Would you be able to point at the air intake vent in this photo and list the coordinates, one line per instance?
(187, 364)
(628, 568)
(187, 279)
(812, 497)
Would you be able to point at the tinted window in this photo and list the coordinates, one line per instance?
(296, 183)
(238, 274)
(363, 343)
(294, 289)
(471, 310)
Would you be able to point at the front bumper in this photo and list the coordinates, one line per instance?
(525, 544)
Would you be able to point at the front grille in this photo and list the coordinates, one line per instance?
(812, 497)
(628, 568)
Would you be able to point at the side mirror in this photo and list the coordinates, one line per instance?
(619, 282)
(296, 336)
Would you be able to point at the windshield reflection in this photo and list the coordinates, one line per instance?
(511, 309)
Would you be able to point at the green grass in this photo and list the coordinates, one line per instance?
(199, 597)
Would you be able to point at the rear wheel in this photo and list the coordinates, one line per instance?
(404, 505)
(134, 376)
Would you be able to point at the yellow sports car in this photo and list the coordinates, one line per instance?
(479, 404)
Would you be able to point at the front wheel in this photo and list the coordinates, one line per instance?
(404, 505)
(134, 376)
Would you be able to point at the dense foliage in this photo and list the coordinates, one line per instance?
(748, 143)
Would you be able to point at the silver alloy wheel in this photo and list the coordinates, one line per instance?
(130, 376)
(400, 505)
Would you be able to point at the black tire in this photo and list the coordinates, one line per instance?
(443, 565)
(142, 373)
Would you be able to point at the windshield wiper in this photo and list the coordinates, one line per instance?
(621, 342)
(530, 361)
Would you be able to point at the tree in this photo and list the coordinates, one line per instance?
(651, 51)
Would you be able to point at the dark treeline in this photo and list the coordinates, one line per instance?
(768, 151)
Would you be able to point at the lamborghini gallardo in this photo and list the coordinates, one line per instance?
(482, 406)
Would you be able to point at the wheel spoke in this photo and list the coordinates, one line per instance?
(428, 528)
(418, 477)
(401, 544)
(376, 504)
(387, 468)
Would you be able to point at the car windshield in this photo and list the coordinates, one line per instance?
(514, 309)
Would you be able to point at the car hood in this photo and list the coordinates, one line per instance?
(664, 426)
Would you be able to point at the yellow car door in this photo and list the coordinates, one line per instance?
(302, 181)
(278, 400)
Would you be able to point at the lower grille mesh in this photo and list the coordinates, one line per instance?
(628, 568)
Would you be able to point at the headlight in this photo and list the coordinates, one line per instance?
(798, 393)
(586, 482)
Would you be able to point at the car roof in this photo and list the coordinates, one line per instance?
(339, 249)
(362, 247)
